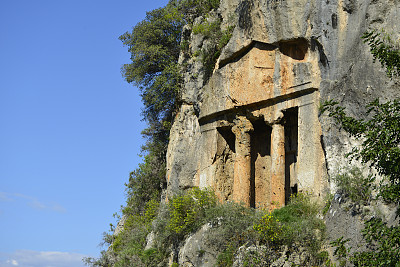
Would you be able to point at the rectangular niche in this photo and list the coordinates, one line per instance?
(260, 180)
(291, 151)
(224, 163)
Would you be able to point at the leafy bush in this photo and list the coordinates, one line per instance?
(207, 28)
(210, 28)
(233, 227)
(225, 37)
(295, 225)
(383, 49)
(195, 8)
(341, 251)
(327, 203)
(300, 223)
(353, 184)
(385, 242)
(269, 229)
(128, 245)
(188, 211)
(144, 185)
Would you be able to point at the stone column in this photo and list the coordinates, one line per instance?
(278, 166)
(242, 165)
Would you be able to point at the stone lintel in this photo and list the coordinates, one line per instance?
(211, 117)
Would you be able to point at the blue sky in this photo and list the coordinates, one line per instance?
(69, 126)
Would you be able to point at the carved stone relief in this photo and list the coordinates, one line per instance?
(266, 126)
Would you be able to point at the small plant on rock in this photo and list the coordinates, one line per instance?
(269, 229)
(188, 211)
(354, 185)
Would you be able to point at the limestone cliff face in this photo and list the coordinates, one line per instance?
(252, 131)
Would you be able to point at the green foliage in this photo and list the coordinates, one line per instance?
(384, 49)
(353, 184)
(300, 223)
(128, 245)
(226, 257)
(381, 143)
(386, 243)
(101, 261)
(207, 28)
(232, 227)
(341, 251)
(144, 185)
(136, 221)
(389, 191)
(182, 215)
(210, 28)
(187, 212)
(195, 8)
(380, 149)
(328, 202)
(293, 226)
(155, 44)
(269, 229)
(225, 37)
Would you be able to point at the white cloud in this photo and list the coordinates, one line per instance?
(30, 258)
(33, 202)
(12, 262)
(4, 197)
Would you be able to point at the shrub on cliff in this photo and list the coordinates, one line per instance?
(292, 228)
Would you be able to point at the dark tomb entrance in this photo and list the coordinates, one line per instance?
(229, 137)
(291, 148)
(260, 163)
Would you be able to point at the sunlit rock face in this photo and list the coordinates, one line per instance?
(252, 131)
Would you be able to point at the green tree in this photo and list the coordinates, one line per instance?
(385, 50)
(381, 141)
(155, 45)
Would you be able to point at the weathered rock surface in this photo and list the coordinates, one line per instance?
(197, 250)
(346, 219)
(262, 256)
(253, 130)
(283, 60)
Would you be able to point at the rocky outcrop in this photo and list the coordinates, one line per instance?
(262, 256)
(197, 249)
(252, 131)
